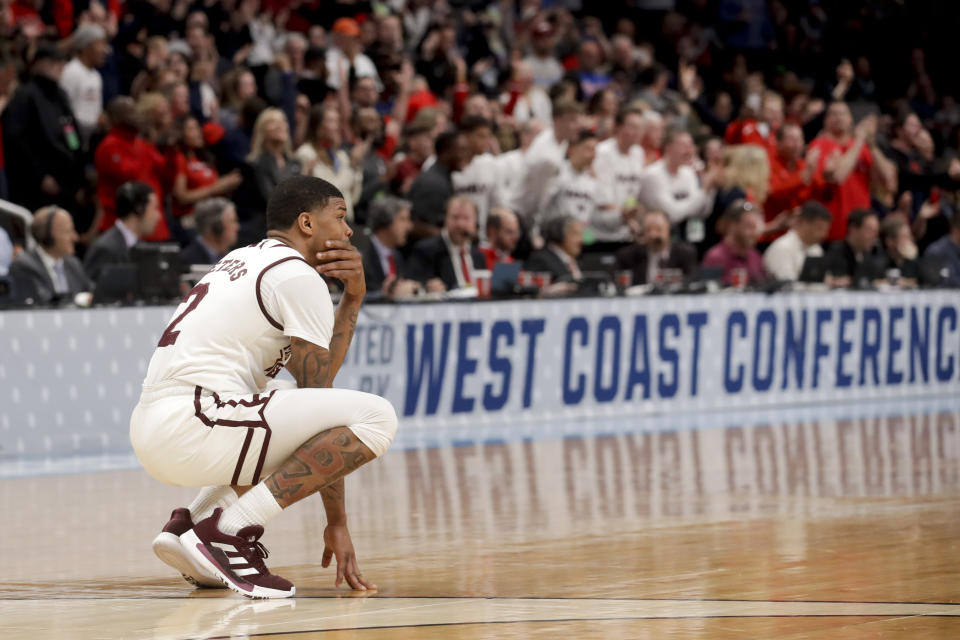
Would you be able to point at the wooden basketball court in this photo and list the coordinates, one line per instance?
(840, 528)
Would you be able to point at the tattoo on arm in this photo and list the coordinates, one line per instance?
(344, 327)
(314, 366)
(309, 364)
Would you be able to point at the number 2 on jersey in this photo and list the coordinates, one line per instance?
(169, 336)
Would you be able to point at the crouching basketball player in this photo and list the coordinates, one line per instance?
(210, 416)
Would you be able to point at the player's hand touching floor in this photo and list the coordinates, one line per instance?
(337, 543)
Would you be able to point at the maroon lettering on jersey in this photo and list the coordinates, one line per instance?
(274, 369)
(233, 267)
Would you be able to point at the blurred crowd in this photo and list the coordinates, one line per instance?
(750, 142)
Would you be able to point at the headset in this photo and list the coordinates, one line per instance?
(45, 236)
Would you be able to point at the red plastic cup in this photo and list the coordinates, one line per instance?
(482, 278)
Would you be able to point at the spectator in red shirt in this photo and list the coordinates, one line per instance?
(195, 175)
(503, 233)
(738, 249)
(760, 131)
(850, 163)
(124, 156)
(793, 178)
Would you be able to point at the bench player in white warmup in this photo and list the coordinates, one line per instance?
(211, 416)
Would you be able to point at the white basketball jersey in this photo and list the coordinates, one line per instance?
(479, 182)
(232, 333)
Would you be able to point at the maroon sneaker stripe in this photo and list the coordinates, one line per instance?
(240, 584)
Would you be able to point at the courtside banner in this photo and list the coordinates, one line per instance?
(583, 358)
(69, 379)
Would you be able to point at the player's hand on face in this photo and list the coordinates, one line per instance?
(337, 543)
(342, 261)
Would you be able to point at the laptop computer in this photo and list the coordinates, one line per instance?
(931, 270)
(599, 262)
(117, 283)
(814, 269)
(158, 270)
(709, 274)
(505, 277)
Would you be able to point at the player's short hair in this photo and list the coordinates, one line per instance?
(384, 210)
(296, 195)
(811, 211)
(132, 199)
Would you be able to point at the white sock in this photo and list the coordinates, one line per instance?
(257, 506)
(209, 499)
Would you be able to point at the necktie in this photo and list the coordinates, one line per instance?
(574, 267)
(392, 264)
(61, 284)
(464, 266)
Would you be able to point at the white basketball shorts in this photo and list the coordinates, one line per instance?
(189, 436)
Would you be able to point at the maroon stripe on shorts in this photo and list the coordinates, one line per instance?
(263, 456)
(243, 454)
(256, 401)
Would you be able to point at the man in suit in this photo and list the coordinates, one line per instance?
(503, 234)
(899, 249)
(946, 253)
(138, 212)
(50, 272)
(433, 188)
(653, 252)
(563, 236)
(383, 264)
(217, 228)
(855, 260)
(448, 261)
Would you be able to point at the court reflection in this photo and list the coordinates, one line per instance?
(755, 467)
(204, 617)
(854, 504)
